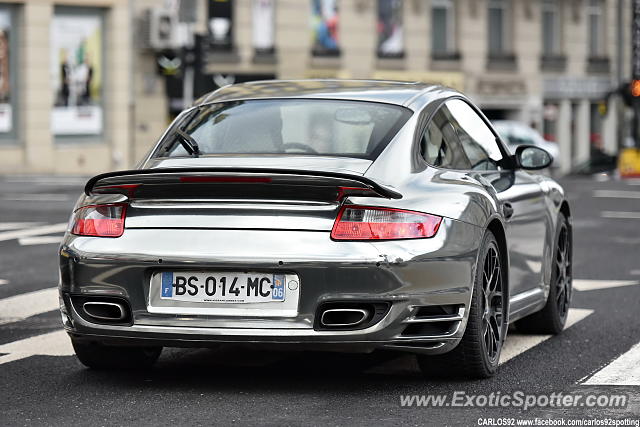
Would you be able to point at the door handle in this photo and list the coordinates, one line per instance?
(507, 210)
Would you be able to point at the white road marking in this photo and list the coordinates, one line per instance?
(19, 307)
(620, 215)
(627, 240)
(593, 285)
(518, 343)
(39, 240)
(635, 272)
(16, 225)
(36, 197)
(35, 231)
(50, 344)
(3, 282)
(624, 370)
(617, 194)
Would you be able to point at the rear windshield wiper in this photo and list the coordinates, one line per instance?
(188, 142)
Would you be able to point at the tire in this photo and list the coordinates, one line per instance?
(104, 357)
(552, 318)
(478, 353)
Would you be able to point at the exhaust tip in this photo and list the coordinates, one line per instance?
(106, 310)
(343, 317)
(349, 315)
(103, 310)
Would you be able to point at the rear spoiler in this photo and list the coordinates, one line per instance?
(127, 180)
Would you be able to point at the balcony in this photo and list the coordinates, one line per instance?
(502, 62)
(446, 61)
(598, 65)
(553, 63)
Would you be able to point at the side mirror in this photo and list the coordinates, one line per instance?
(531, 157)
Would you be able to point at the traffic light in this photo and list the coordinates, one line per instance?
(634, 88)
(630, 93)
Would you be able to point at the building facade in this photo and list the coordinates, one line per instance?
(66, 78)
(546, 63)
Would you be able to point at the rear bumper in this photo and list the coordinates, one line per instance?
(406, 274)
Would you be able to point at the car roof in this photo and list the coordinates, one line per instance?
(391, 92)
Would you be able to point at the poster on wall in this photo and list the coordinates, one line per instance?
(263, 26)
(390, 32)
(6, 118)
(324, 27)
(76, 71)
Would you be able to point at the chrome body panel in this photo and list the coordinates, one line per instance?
(293, 237)
(407, 273)
(233, 214)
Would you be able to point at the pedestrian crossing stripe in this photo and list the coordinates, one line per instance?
(33, 231)
(22, 306)
(623, 370)
(517, 344)
(50, 344)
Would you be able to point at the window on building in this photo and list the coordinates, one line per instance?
(264, 27)
(324, 27)
(220, 25)
(7, 72)
(390, 29)
(499, 27)
(77, 65)
(551, 28)
(442, 27)
(595, 26)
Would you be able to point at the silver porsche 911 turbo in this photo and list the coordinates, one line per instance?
(320, 215)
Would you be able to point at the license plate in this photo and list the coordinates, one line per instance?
(223, 287)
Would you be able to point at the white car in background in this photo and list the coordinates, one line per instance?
(514, 134)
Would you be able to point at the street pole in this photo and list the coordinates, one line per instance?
(620, 129)
(131, 161)
(189, 72)
(635, 65)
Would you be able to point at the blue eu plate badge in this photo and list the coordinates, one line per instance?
(167, 284)
(278, 287)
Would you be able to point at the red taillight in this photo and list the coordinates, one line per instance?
(370, 223)
(99, 220)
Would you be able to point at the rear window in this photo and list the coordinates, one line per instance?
(309, 127)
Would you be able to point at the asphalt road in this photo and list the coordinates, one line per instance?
(42, 383)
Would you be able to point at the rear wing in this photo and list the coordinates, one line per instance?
(253, 180)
